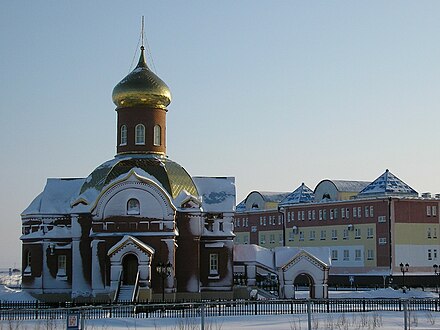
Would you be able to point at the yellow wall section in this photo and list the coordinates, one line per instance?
(415, 233)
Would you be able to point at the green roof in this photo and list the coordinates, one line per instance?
(173, 177)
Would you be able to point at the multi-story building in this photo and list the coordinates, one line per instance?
(369, 228)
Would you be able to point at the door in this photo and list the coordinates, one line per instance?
(130, 267)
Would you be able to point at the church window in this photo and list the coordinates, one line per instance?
(213, 264)
(156, 134)
(28, 268)
(133, 206)
(62, 260)
(123, 135)
(140, 134)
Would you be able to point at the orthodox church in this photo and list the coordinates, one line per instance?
(139, 226)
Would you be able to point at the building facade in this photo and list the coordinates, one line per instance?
(139, 226)
(369, 228)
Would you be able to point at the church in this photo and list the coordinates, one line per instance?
(139, 227)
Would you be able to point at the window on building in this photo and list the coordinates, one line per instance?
(429, 254)
(312, 235)
(371, 211)
(288, 216)
(264, 221)
(28, 261)
(123, 135)
(320, 214)
(357, 255)
(261, 221)
(367, 211)
(291, 236)
(280, 238)
(435, 254)
(331, 214)
(301, 236)
(428, 210)
(429, 232)
(293, 216)
(347, 213)
(382, 240)
(334, 234)
(62, 260)
(303, 215)
(324, 214)
(323, 235)
(359, 212)
(140, 134)
(343, 213)
(434, 232)
(370, 255)
(133, 207)
(263, 239)
(309, 215)
(336, 213)
(246, 239)
(334, 254)
(354, 212)
(313, 214)
(272, 238)
(213, 264)
(381, 218)
(299, 216)
(370, 232)
(345, 234)
(434, 210)
(346, 255)
(157, 135)
(357, 233)
(279, 219)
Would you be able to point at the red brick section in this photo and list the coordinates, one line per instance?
(149, 118)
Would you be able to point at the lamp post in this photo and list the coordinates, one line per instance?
(437, 273)
(164, 271)
(404, 269)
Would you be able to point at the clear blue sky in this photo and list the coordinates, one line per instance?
(274, 93)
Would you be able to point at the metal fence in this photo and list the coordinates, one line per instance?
(39, 310)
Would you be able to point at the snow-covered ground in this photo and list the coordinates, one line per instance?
(340, 321)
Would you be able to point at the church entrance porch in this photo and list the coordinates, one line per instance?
(129, 269)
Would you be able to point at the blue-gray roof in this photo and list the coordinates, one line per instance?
(387, 184)
(302, 194)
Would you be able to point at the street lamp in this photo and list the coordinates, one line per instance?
(437, 272)
(164, 271)
(404, 269)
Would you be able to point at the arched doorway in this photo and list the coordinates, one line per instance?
(130, 269)
(304, 282)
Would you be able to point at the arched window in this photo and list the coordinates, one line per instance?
(140, 134)
(156, 134)
(133, 206)
(28, 265)
(123, 135)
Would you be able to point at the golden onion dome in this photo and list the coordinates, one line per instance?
(141, 87)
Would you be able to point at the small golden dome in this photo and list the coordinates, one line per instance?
(141, 87)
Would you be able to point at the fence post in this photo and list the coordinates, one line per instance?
(202, 317)
(309, 314)
(405, 314)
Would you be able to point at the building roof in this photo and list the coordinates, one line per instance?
(218, 193)
(302, 194)
(272, 196)
(56, 198)
(170, 175)
(347, 185)
(389, 185)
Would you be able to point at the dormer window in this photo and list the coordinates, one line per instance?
(156, 135)
(123, 135)
(140, 134)
(133, 207)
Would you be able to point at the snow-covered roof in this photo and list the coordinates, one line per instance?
(241, 207)
(273, 196)
(56, 198)
(253, 253)
(218, 193)
(283, 255)
(389, 185)
(347, 185)
(302, 194)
